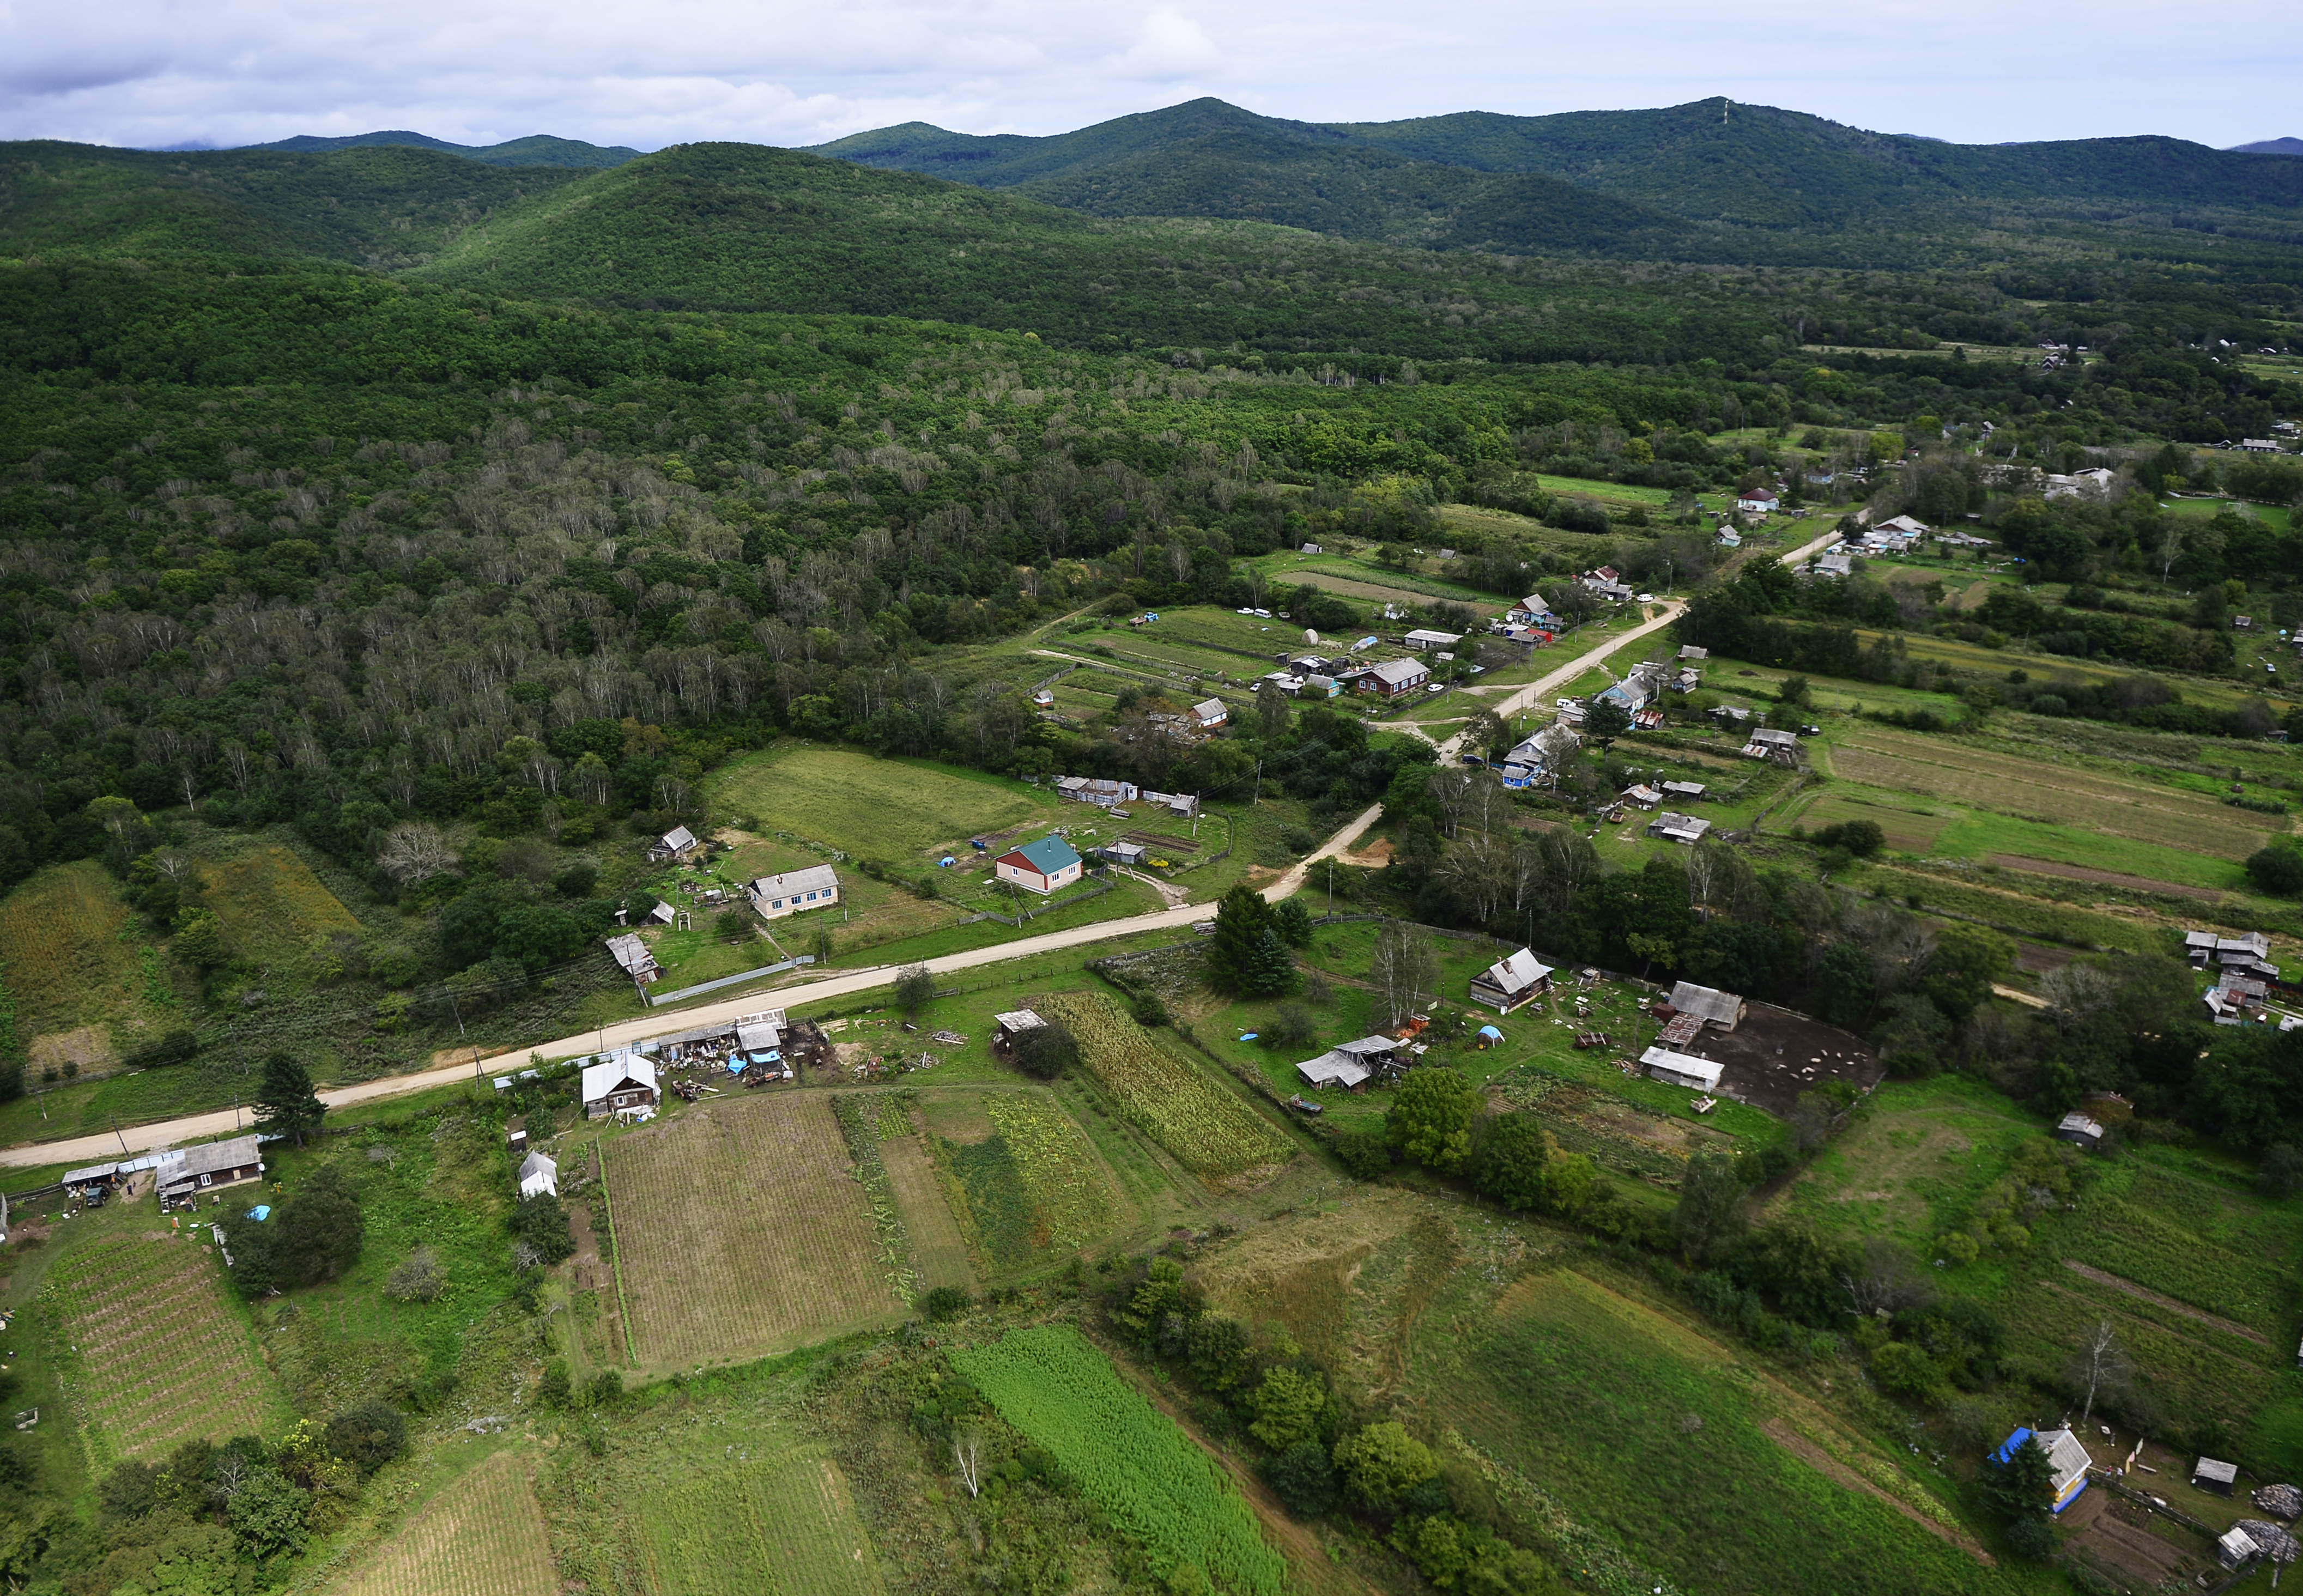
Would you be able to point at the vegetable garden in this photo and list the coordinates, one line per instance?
(1211, 1132)
(1131, 1460)
(482, 1536)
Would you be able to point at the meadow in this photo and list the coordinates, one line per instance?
(903, 811)
(1131, 1460)
(1208, 1128)
(77, 959)
(740, 1230)
(150, 1345)
(481, 1535)
(275, 911)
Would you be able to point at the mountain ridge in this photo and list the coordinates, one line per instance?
(536, 149)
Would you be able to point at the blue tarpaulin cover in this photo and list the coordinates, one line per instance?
(261, 1213)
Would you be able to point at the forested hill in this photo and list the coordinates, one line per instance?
(538, 149)
(1461, 177)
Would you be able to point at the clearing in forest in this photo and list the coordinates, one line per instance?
(273, 906)
(874, 808)
(481, 1536)
(153, 1350)
(741, 1230)
(70, 953)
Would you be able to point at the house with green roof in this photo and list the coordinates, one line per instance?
(1043, 867)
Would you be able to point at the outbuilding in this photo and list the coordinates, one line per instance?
(677, 844)
(1334, 1068)
(1044, 866)
(1722, 1010)
(515, 1135)
(1125, 853)
(2213, 1474)
(1509, 982)
(1682, 1069)
(539, 1177)
(1421, 639)
(2080, 1130)
(1007, 1028)
(2234, 1547)
(623, 1085)
(636, 959)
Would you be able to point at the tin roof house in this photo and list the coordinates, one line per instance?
(1509, 982)
(623, 1086)
(677, 844)
(2068, 1458)
(207, 1168)
(539, 1177)
(775, 896)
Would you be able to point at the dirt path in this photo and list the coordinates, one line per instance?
(2144, 1294)
(1552, 681)
(1823, 1463)
(2016, 994)
(2103, 878)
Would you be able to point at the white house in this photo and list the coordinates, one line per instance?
(1211, 714)
(776, 896)
(623, 1085)
(539, 1177)
(1758, 501)
(1044, 866)
(677, 844)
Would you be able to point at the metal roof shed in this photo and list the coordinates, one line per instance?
(1682, 1069)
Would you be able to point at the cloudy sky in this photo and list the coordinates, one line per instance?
(158, 72)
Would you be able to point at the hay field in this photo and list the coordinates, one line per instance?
(1906, 831)
(740, 1231)
(2057, 794)
(71, 949)
(1023, 1180)
(770, 1516)
(875, 808)
(271, 904)
(152, 1349)
(481, 1536)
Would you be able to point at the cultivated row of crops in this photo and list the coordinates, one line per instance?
(481, 1536)
(1070, 1203)
(1210, 1130)
(1160, 1490)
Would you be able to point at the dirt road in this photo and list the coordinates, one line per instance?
(1552, 681)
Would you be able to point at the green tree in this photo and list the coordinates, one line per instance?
(1270, 968)
(1157, 1297)
(285, 1101)
(1382, 1463)
(1241, 920)
(1219, 1352)
(1605, 719)
(1048, 1052)
(2276, 868)
(369, 1436)
(1792, 690)
(317, 1229)
(1273, 712)
(1302, 1478)
(1712, 1215)
(1960, 972)
(1510, 1157)
(2022, 1483)
(1366, 1154)
(540, 1225)
(1846, 982)
(267, 1514)
(1429, 1121)
(200, 939)
(1286, 1406)
(1293, 921)
(915, 989)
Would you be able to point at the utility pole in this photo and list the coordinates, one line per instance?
(115, 1131)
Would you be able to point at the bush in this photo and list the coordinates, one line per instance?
(1382, 1463)
(541, 1223)
(1147, 1010)
(1508, 1164)
(946, 1302)
(915, 989)
(577, 881)
(419, 1279)
(607, 1388)
(2277, 869)
(2281, 1174)
(553, 1390)
(2031, 1539)
(1862, 838)
(1048, 1052)
(732, 924)
(369, 1436)
(1302, 1478)
(1365, 1153)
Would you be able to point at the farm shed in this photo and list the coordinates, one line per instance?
(1007, 1028)
(2080, 1130)
(1042, 867)
(1335, 1068)
(1421, 639)
(1641, 796)
(1686, 792)
(677, 844)
(1183, 806)
(539, 1177)
(624, 1085)
(2065, 1454)
(1693, 654)
(1682, 1069)
(1095, 789)
(1125, 853)
(2211, 1473)
(1723, 1009)
(1508, 983)
(95, 1178)
(759, 1036)
(629, 952)
(210, 1168)
(515, 1135)
(776, 896)
(1782, 745)
(1686, 830)
(664, 914)
(2234, 1547)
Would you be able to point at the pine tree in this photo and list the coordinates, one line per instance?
(1241, 920)
(286, 1101)
(1270, 969)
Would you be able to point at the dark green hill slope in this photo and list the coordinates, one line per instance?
(538, 149)
(388, 207)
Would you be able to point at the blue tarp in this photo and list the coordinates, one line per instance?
(946, 863)
(736, 1065)
(1249, 1037)
(1491, 1031)
(260, 1214)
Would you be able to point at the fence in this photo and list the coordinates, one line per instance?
(657, 1000)
(1017, 920)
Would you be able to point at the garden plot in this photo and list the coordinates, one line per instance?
(152, 1349)
(740, 1229)
(769, 1515)
(2056, 794)
(481, 1536)
(1210, 1131)
(1025, 1182)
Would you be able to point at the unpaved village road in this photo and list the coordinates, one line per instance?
(133, 1139)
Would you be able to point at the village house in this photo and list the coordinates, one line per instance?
(776, 896)
(629, 952)
(1757, 501)
(1641, 796)
(1783, 747)
(1394, 679)
(1640, 687)
(209, 1166)
(2248, 955)
(2067, 1457)
(1209, 713)
(539, 1177)
(1538, 758)
(1043, 867)
(1509, 982)
(1834, 565)
(623, 1085)
(1532, 610)
(677, 845)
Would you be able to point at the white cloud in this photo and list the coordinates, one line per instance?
(161, 71)
(1170, 45)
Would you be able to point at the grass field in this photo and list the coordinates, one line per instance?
(74, 955)
(768, 1514)
(1210, 1131)
(273, 907)
(894, 809)
(482, 1535)
(740, 1230)
(152, 1349)
(1911, 1164)
(1130, 1460)
(1023, 1179)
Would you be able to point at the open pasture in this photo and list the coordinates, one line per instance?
(74, 955)
(1908, 830)
(153, 1349)
(482, 1535)
(273, 907)
(893, 809)
(2036, 788)
(740, 1230)
(1130, 1460)
(1211, 1132)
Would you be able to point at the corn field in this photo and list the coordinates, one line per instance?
(1208, 1129)
(1132, 1461)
